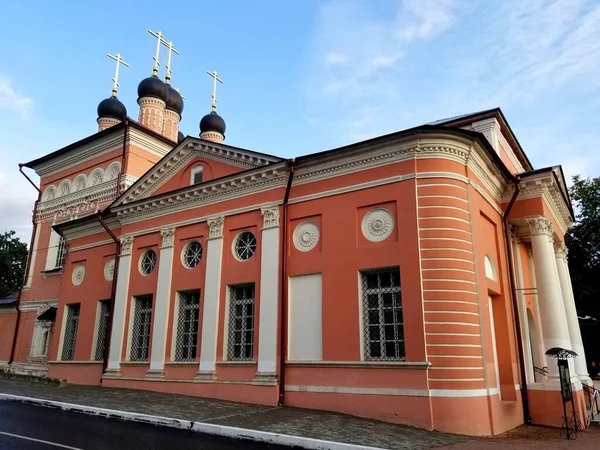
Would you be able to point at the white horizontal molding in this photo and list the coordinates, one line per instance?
(361, 364)
(393, 391)
(33, 306)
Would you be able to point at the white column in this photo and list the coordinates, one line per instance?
(552, 311)
(522, 303)
(269, 296)
(162, 304)
(120, 306)
(571, 313)
(212, 296)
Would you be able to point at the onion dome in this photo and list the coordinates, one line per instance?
(153, 87)
(112, 107)
(174, 100)
(212, 122)
(180, 137)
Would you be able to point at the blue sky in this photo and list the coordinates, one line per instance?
(304, 76)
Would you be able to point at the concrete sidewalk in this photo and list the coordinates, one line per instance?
(262, 423)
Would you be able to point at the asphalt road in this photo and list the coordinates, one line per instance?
(26, 427)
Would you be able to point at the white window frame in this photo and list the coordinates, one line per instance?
(196, 170)
(95, 341)
(228, 318)
(39, 349)
(176, 325)
(64, 330)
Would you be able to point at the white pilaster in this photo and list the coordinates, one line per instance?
(212, 295)
(552, 311)
(33, 256)
(120, 306)
(571, 312)
(162, 303)
(522, 304)
(269, 298)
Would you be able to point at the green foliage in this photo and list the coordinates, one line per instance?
(13, 258)
(583, 240)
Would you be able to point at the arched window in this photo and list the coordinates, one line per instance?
(490, 271)
(196, 175)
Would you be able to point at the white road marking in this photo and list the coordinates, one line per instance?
(39, 440)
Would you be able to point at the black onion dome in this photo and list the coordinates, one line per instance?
(153, 87)
(212, 122)
(180, 137)
(174, 100)
(112, 107)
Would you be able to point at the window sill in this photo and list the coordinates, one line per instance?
(182, 363)
(236, 363)
(52, 272)
(135, 363)
(74, 362)
(362, 364)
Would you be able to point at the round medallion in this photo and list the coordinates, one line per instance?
(109, 270)
(306, 236)
(377, 225)
(78, 274)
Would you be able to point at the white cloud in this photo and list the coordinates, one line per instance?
(12, 101)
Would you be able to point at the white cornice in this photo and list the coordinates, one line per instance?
(79, 155)
(151, 144)
(544, 186)
(34, 305)
(88, 228)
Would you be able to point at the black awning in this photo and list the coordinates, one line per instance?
(48, 315)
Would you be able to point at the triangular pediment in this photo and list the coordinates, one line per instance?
(181, 156)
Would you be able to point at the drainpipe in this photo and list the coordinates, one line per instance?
(27, 266)
(515, 302)
(284, 284)
(113, 288)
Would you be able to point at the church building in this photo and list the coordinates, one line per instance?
(416, 278)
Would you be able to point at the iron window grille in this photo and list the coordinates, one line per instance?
(382, 315)
(192, 254)
(148, 262)
(102, 329)
(142, 319)
(61, 252)
(186, 344)
(70, 337)
(240, 343)
(245, 246)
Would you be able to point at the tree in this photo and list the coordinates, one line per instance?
(13, 258)
(583, 241)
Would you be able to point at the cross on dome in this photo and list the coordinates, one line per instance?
(216, 78)
(115, 80)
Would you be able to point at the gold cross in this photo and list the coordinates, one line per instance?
(216, 78)
(119, 61)
(159, 39)
(169, 45)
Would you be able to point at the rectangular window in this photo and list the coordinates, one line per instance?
(187, 326)
(382, 315)
(70, 337)
(198, 177)
(142, 319)
(102, 330)
(61, 253)
(240, 344)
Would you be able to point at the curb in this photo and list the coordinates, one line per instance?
(198, 427)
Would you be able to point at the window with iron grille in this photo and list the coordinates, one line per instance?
(187, 326)
(102, 329)
(147, 262)
(140, 336)
(382, 315)
(70, 337)
(240, 343)
(61, 252)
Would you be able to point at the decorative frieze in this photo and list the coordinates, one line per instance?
(78, 274)
(126, 245)
(377, 225)
(306, 236)
(168, 235)
(270, 216)
(215, 227)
